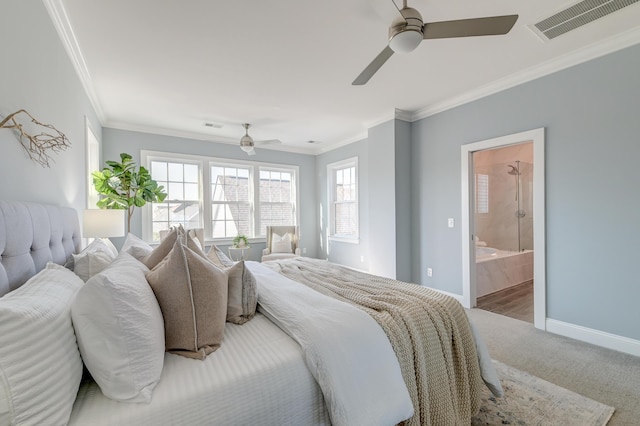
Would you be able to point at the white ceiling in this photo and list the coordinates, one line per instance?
(286, 66)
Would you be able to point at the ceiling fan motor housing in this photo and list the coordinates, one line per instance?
(405, 33)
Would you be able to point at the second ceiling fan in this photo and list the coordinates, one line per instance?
(247, 143)
(407, 31)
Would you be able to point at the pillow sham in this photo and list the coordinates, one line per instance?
(109, 244)
(120, 330)
(281, 244)
(218, 257)
(163, 249)
(136, 247)
(93, 259)
(243, 294)
(38, 337)
(192, 294)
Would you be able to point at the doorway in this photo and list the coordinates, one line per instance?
(503, 224)
(524, 184)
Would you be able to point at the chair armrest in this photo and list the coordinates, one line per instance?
(298, 251)
(266, 252)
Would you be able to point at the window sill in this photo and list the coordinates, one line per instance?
(349, 240)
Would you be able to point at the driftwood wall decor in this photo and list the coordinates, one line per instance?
(37, 145)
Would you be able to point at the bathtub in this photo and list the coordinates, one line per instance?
(498, 269)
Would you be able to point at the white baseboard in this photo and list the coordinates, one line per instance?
(458, 297)
(595, 337)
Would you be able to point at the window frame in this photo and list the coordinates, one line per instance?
(332, 170)
(293, 189)
(205, 164)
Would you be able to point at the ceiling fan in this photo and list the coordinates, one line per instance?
(247, 143)
(407, 31)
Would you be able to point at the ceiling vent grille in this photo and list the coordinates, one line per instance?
(578, 15)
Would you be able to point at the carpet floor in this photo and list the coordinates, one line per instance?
(610, 377)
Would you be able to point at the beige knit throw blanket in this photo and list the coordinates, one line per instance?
(429, 332)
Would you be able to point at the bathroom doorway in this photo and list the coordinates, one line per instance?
(503, 223)
(503, 198)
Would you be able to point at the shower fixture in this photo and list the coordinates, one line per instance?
(515, 171)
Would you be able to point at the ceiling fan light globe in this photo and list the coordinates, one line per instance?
(405, 41)
(246, 148)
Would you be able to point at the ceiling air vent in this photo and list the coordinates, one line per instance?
(578, 15)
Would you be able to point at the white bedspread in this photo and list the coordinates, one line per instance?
(257, 377)
(345, 349)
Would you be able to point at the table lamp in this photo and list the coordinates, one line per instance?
(103, 223)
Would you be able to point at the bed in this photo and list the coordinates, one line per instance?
(308, 356)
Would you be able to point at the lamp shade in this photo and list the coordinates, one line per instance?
(101, 223)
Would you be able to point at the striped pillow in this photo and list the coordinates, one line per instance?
(40, 364)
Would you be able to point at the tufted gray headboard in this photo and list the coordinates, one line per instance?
(31, 235)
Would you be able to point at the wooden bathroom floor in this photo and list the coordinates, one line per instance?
(515, 302)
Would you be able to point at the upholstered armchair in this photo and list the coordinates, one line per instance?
(282, 243)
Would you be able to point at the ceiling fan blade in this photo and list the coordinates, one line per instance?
(373, 67)
(493, 25)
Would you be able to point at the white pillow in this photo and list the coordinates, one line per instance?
(40, 365)
(109, 244)
(120, 331)
(281, 244)
(136, 247)
(93, 259)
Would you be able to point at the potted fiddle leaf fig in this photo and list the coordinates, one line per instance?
(124, 186)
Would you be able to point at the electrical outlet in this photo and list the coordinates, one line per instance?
(451, 222)
(429, 272)
(304, 250)
(362, 259)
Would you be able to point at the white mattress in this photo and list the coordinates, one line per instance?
(258, 376)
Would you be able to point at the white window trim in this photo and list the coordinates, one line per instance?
(331, 186)
(294, 170)
(146, 157)
(205, 163)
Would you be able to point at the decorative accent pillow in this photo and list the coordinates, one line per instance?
(136, 247)
(93, 259)
(192, 294)
(163, 249)
(281, 244)
(40, 365)
(120, 331)
(243, 294)
(218, 258)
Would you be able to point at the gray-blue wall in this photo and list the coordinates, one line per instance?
(116, 141)
(37, 75)
(591, 114)
(384, 179)
(345, 253)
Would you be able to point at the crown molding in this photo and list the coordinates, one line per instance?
(345, 142)
(62, 25)
(587, 53)
(202, 137)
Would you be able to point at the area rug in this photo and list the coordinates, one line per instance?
(529, 400)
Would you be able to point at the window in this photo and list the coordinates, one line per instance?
(230, 201)
(277, 198)
(225, 197)
(182, 206)
(482, 193)
(343, 184)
